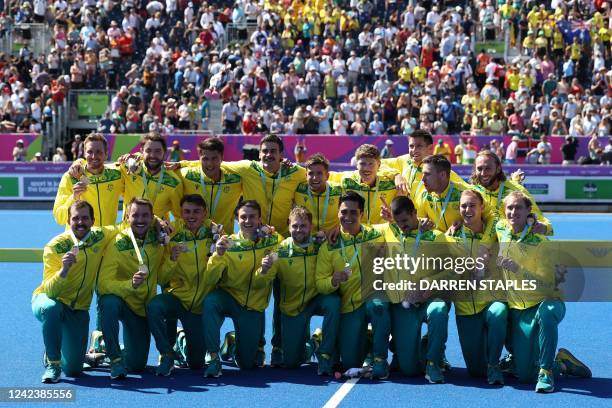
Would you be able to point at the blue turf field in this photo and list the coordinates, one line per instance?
(586, 330)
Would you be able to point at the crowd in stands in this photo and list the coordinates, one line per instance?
(319, 66)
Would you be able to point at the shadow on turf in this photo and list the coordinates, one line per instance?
(186, 380)
(593, 387)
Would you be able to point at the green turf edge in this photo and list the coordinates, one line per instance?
(21, 255)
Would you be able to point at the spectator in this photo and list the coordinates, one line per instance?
(512, 150)
(442, 148)
(569, 149)
(387, 151)
(59, 155)
(545, 149)
(19, 151)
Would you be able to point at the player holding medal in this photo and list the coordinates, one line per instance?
(339, 268)
(127, 282)
(295, 266)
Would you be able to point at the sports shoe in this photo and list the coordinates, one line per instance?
(444, 364)
(495, 375)
(228, 349)
(433, 373)
(118, 370)
(276, 359)
(214, 369)
(546, 381)
(166, 365)
(52, 374)
(326, 366)
(179, 348)
(260, 358)
(96, 342)
(380, 369)
(570, 365)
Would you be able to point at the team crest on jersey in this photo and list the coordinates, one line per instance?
(133, 178)
(290, 262)
(110, 187)
(226, 189)
(240, 256)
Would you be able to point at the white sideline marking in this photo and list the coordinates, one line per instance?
(335, 400)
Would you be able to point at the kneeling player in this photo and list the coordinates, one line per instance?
(128, 281)
(182, 298)
(409, 314)
(339, 268)
(534, 316)
(71, 261)
(232, 268)
(296, 269)
(481, 323)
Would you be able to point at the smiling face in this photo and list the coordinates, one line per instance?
(516, 212)
(248, 221)
(418, 149)
(95, 154)
(193, 215)
(486, 170)
(317, 176)
(211, 163)
(270, 156)
(80, 221)
(153, 154)
(140, 218)
(368, 167)
(299, 228)
(471, 209)
(350, 214)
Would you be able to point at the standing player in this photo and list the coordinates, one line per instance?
(340, 268)
(220, 188)
(534, 316)
(481, 323)
(295, 268)
(407, 236)
(319, 195)
(439, 201)
(410, 166)
(489, 179)
(100, 185)
(232, 268)
(269, 183)
(367, 181)
(61, 303)
(128, 281)
(150, 179)
(183, 269)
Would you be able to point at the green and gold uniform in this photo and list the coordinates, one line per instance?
(164, 190)
(323, 206)
(221, 197)
(102, 193)
(237, 297)
(443, 209)
(296, 271)
(384, 187)
(534, 315)
(62, 304)
(494, 200)
(481, 322)
(119, 301)
(273, 192)
(413, 173)
(356, 312)
(183, 295)
(406, 323)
